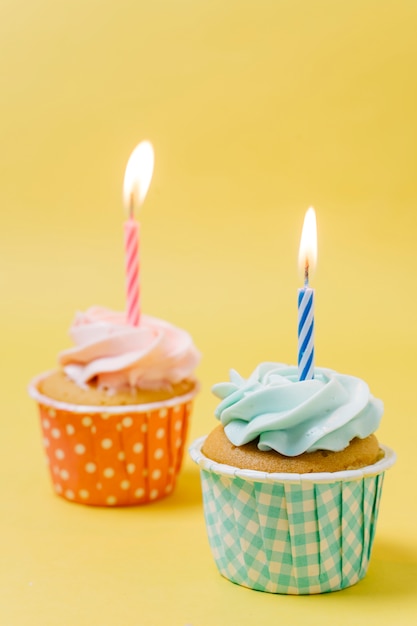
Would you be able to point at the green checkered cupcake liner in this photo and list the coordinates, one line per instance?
(291, 533)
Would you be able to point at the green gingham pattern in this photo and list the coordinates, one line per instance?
(290, 536)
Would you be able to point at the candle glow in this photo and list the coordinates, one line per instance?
(138, 176)
(307, 256)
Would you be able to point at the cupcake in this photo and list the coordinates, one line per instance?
(115, 413)
(292, 479)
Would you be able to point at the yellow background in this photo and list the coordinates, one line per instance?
(257, 109)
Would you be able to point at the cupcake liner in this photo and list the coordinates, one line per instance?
(114, 456)
(291, 533)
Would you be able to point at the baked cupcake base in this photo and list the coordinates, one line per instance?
(58, 386)
(291, 533)
(359, 453)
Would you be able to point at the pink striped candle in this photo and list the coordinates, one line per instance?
(136, 183)
(131, 228)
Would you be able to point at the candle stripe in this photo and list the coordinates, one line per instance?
(305, 303)
(306, 366)
(305, 333)
(305, 327)
(132, 247)
(132, 272)
(131, 252)
(305, 338)
(131, 284)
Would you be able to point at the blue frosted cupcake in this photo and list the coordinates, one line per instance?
(292, 479)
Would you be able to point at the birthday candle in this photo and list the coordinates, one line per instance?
(307, 259)
(131, 228)
(136, 183)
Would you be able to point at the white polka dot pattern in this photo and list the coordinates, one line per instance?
(115, 459)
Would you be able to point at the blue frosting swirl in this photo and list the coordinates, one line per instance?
(292, 416)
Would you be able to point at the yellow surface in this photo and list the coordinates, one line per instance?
(256, 109)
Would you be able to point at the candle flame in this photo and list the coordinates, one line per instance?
(138, 176)
(307, 256)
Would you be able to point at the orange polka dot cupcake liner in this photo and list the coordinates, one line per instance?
(114, 456)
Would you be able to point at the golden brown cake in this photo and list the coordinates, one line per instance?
(59, 387)
(359, 453)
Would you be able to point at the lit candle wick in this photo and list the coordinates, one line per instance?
(131, 204)
(306, 268)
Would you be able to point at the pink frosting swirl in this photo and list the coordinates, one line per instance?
(153, 355)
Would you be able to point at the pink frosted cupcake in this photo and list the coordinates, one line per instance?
(115, 414)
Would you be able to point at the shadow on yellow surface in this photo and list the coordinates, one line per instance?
(392, 573)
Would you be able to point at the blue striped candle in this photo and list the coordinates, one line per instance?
(305, 333)
(307, 259)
